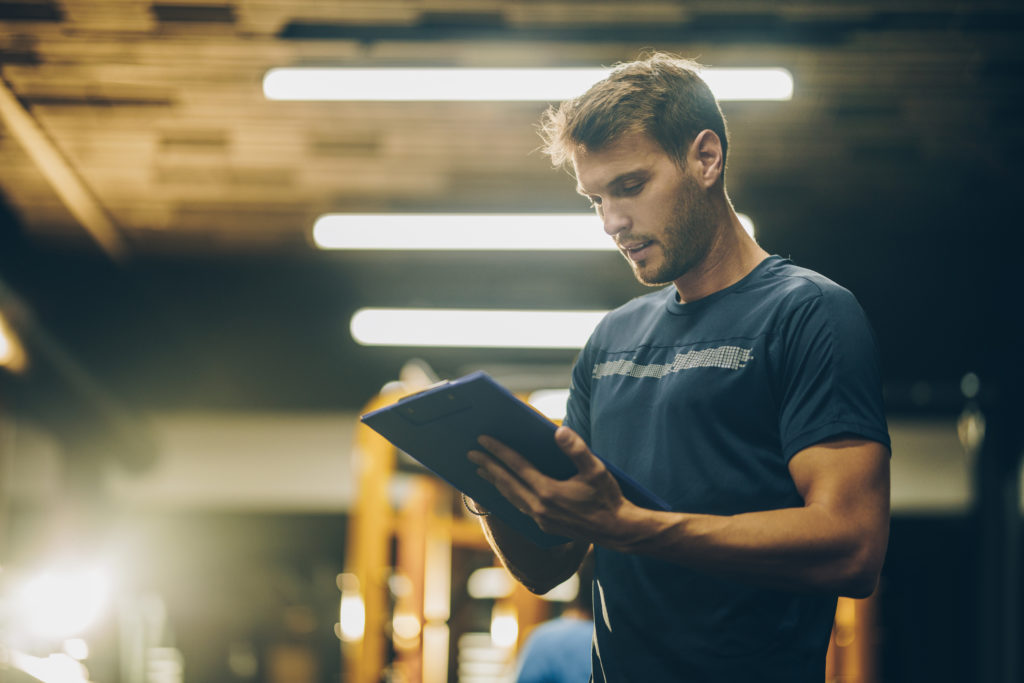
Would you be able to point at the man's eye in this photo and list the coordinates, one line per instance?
(632, 189)
(594, 202)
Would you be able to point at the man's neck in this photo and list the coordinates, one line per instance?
(733, 255)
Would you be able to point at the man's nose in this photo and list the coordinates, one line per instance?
(615, 221)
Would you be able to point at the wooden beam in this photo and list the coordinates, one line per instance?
(66, 182)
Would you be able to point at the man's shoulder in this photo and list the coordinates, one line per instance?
(787, 282)
(785, 274)
(772, 292)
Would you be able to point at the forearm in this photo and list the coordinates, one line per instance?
(538, 569)
(802, 549)
(834, 542)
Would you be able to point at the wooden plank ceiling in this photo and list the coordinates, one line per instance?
(903, 110)
(159, 109)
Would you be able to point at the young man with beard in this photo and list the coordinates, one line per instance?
(746, 394)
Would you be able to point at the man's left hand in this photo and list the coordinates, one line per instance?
(589, 506)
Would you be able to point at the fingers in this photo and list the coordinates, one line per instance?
(507, 483)
(566, 507)
(514, 476)
(488, 468)
(566, 439)
(510, 458)
(574, 447)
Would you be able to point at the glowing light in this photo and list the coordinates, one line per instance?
(551, 402)
(437, 581)
(63, 604)
(489, 583)
(746, 222)
(771, 83)
(352, 611)
(467, 232)
(165, 664)
(406, 626)
(352, 617)
(76, 648)
(436, 638)
(56, 668)
(504, 626)
(480, 661)
(492, 84)
(473, 328)
(12, 353)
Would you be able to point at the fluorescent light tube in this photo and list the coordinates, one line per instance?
(769, 83)
(467, 232)
(463, 328)
(386, 84)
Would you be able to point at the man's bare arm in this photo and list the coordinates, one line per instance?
(835, 542)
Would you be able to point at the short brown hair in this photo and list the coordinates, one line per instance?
(661, 95)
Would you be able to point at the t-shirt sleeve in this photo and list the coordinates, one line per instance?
(830, 376)
(577, 410)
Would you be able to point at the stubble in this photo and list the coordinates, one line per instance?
(686, 240)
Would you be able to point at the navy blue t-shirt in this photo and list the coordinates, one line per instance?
(704, 403)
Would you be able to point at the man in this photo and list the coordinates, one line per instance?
(746, 395)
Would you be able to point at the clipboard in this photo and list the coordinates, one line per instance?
(440, 425)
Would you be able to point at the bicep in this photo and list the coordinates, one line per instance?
(845, 486)
(847, 478)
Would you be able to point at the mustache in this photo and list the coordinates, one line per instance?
(621, 241)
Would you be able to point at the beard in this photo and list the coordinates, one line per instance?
(685, 241)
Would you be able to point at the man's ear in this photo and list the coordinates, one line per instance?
(706, 156)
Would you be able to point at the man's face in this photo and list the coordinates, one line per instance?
(659, 215)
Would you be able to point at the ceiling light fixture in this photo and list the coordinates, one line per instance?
(386, 84)
(467, 232)
(467, 328)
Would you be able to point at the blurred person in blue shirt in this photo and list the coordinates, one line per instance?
(558, 651)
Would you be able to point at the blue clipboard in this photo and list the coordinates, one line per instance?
(440, 425)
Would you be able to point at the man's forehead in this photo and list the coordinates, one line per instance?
(630, 153)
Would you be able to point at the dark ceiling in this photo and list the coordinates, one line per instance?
(894, 170)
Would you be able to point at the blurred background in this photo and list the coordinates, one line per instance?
(184, 492)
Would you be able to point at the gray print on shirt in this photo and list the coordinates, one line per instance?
(727, 357)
